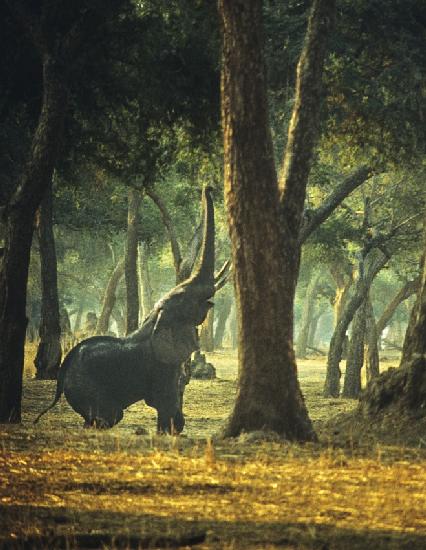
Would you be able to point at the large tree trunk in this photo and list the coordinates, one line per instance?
(49, 352)
(108, 301)
(362, 285)
(131, 261)
(266, 257)
(355, 360)
(19, 231)
(307, 315)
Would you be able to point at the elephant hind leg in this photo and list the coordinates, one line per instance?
(103, 420)
(96, 407)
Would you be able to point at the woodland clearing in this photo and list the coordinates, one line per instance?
(65, 487)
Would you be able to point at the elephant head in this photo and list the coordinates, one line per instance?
(171, 325)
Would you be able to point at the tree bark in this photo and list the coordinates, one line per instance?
(49, 352)
(108, 301)
(307, 315)
(131, 261)
(266, 255)
(375, 263)
(19, 231)
(355, 360)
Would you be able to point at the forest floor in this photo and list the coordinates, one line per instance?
(65, 487)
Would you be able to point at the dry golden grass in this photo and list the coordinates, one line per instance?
(65, 486)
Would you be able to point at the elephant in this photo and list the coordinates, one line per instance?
(103, 375)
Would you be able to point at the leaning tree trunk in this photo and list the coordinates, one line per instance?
(49, 352)
(409, 288)
(362, 285)
(307, 315)
(355, 360)
(264, 227)
(131, 260)
(371, 351)
(108, 301)
(20, 214)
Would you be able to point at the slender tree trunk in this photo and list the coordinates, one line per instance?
(408, 289)
(266, 255)
(49, 352)
(108, 301)
(355, 360)
(313, 329)
(131, 260)
(222, 316)
(307, 315)
(362, 285)
(371, 354)
(19, 231)
(206, 332)
(79, 314)
(147, 302)
(120, 320)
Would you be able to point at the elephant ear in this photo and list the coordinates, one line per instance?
(173, 345)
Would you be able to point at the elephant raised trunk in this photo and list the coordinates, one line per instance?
(204, 273)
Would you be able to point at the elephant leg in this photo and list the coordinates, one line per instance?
(95, 406)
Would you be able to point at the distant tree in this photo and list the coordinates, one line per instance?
(401, 393)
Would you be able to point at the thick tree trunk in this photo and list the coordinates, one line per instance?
(223, 311)
(131, 261)
(147, 302)
(49, 352)
(355, 360)
(265, 257)
(307, 315)
(108, 301)
(362, 285)
(19, 231)
(371, 353)
(206, 332)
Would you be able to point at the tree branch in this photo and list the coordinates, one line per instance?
(318, 216)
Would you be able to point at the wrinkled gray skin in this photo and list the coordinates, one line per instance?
(103, 375)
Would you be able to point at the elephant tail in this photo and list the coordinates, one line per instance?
(60, 383)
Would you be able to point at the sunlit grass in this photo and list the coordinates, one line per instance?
(58, 480)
